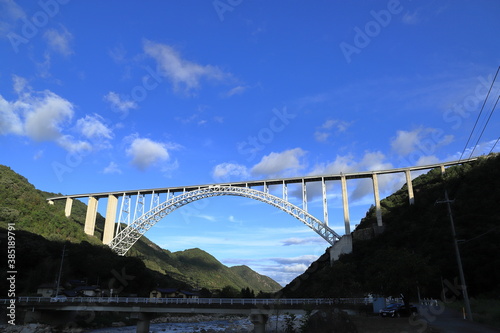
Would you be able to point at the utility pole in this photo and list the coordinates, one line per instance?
(457, 253)
(60, 271)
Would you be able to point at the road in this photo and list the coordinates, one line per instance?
(451, 321)
(429, 320)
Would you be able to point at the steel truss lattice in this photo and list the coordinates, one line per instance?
(127, 237)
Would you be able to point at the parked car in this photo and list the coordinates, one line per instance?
(398, 310)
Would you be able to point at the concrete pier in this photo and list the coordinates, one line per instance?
(378, 210)
(409, 184)
(143, 323)
(109, 224)
(342, 246)
(259, 322)
(67, 208)
(345, 202)
(325, 201)
(91, 216)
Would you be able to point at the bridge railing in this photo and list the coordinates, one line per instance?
(194, 301)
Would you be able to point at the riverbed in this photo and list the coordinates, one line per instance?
(175, 325)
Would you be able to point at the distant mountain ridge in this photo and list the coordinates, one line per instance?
(198, 267)
(25, 206)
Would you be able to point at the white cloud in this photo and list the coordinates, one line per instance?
(329, 127)
(321, 136)
(483, 148)
(343, 164)
(118, 54)
(301, 241)
(38, 155)
(370, 161)
(411, 18)
(10, 12)
(145, 152)
(92, 127)
(45, 115)
(406, 141)
(305, 259)
(296, 268)
(422, 140)
(118, 103)
(70, 144)
(233, 219)
(276, 164)
(10, 121)
(238, 90)
(426, 160)
(225, 171)
(59, 40)
(112, 168)
(339, 125)
(184, 74)
(20, 83)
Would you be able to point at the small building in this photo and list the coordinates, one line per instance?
(190, 294)
(172, 293)
(87, 291)
(48, 289)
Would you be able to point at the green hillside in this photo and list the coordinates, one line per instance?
(41, 230)
(259, 282)
(199, 268)
(415, 252)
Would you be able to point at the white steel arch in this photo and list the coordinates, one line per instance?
(127, 237)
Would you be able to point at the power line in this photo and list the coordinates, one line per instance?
(486, 124)
(479, 236)
(479, 116)
(494, 145)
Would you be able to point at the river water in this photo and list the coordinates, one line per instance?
(233, 325)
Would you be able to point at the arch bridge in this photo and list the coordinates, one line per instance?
(134, 219)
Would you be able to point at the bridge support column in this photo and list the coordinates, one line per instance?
(378, 210)
(409, 184)
(69, 205)
(259, 322)
(342, 246)
(91, 216)
(143, 323)
(109, 224)
(345, 201)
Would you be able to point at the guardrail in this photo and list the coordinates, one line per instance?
(190, 301)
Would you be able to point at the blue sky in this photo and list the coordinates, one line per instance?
(100, 96)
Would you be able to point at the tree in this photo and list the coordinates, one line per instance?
(247, 293)
(229, 292)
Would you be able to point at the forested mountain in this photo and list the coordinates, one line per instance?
(41, 231)
(415, 252)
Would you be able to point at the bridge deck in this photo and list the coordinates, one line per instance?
(257, 183)
(140, 304)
